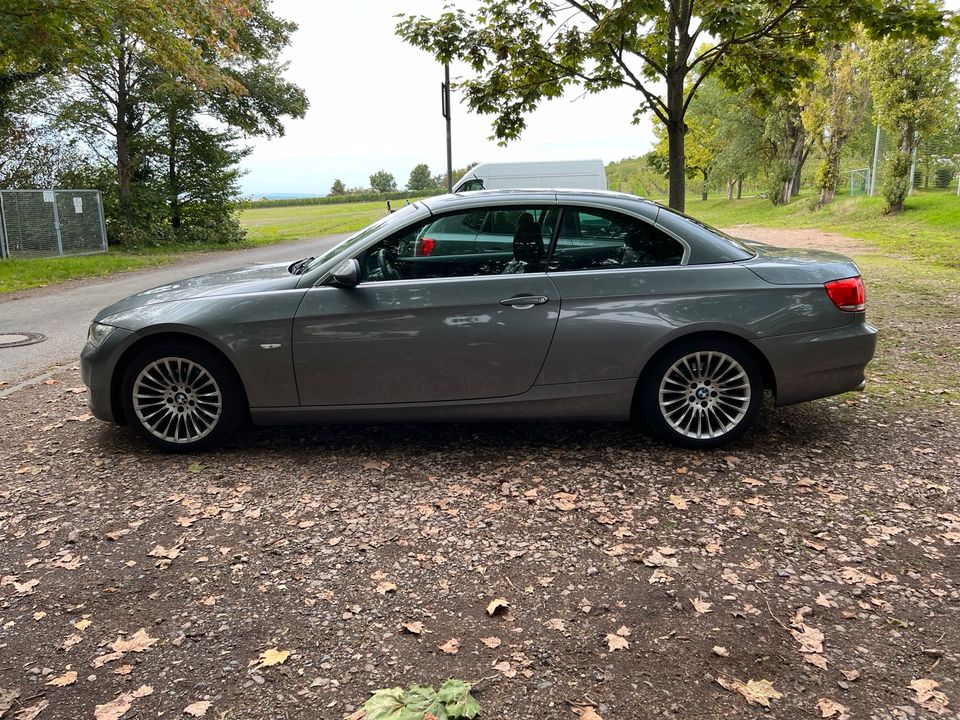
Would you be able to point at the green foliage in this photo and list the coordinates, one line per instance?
(895, 181)
(451, 702)
(420, 179)
(383, 182)
(338, 188)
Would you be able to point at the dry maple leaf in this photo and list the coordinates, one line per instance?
(71, 640)
(617, 642)
(658, 559)
(138, 642)
(505, 668)
(82, 624)
(7, 699)
(556, 624)
(31, 712)
(273, 656)
(492, 642)
(928, 697)
(25, 588)
(451, 646)
(380, 465)
(415, 628)
(815, 659)
(565, 502)
(118, 707)
(852, 576)
(197, 709)
(810, 639)
(701, 606)
(678, 502)
(104, 659)
(851, 675)
(123, 670)
(828, 708)
(755, 692)
(497, 605)
(68, 678)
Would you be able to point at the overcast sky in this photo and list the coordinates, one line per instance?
(375, 104)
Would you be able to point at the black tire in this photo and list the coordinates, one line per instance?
(712, 409)
(182, 397)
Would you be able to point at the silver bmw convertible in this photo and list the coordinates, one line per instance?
(533, 305)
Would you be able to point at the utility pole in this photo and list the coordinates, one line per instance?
(913, 162)
(873, 170)
(445, 103)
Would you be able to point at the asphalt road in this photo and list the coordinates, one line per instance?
(63, 314)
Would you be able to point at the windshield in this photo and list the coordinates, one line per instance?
(397, 218)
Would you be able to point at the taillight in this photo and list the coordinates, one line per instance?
(425, 246)
(848, 294)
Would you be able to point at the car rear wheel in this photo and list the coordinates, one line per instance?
(702, 393)
(181, 397)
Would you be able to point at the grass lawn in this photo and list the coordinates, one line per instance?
(265, 226)
(24, 274)
(929, 228)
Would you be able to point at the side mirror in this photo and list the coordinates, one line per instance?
(346, 274)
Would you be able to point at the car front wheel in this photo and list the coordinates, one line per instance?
(702, 393)
(182, 397)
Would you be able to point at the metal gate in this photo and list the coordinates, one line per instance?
(51, 223)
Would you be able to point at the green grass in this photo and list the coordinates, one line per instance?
(929, 227)
(266, 226)
(24, 274)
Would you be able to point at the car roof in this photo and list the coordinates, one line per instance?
(515, 196)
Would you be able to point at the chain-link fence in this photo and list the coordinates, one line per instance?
(50, 223)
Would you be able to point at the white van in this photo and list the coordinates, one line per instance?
(579, 174)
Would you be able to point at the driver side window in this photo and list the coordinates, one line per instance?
(488, 241)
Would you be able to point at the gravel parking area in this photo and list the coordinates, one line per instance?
(565, 570)
(821, 555)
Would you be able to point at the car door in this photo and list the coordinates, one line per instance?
(424, 328)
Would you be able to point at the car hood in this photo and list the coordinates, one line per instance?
(790, 266)
(239, 281)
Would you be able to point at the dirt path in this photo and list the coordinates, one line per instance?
(816, 239)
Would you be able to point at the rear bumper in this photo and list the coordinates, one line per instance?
(808, 366)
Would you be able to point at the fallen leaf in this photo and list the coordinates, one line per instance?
(617, 642)
(587, 713)
(810, 639)
(416, 628)
(755, 692)
(505, 668)
(104, 659)
(491, 642)
(386, 587)
(851, 675)
(7, 698)
(82, 624)
(678, 502)
(815, 659)
(928, 697)
(118, 707)
(721, 651)
(39, 615)
(701, 606)
(25, 588)
(658, 559)
(273, 656)
(556, 624)
(68, 678)
(623, 631)
(71, 640)
(123, 670)
(828, 708)
(159, 551)
(138, 642)
(497, 605)
(198, 709)
(31, 712)
(451, 646)
(380, 465)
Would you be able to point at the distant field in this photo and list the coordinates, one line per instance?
(277, 224)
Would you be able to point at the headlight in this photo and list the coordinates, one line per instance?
(97, 333)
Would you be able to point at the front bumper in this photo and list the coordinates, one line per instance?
(97, 368)
(808, 366)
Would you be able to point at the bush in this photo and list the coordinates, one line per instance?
(896, 180)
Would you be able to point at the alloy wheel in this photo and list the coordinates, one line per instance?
(177, 400)
(704, 395)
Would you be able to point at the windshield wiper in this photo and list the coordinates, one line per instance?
(300, 265)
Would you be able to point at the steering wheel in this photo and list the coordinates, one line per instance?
(387, 269)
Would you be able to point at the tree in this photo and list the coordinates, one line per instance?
(383, 182)
(788, 146)
(834, 105)
(420, 179)
(913, 88)
(523, 53)
(338, 188)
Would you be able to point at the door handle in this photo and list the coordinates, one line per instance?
(525, 302)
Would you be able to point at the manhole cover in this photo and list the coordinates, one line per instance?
(18, 339)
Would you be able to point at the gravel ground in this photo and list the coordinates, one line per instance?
(820, 554)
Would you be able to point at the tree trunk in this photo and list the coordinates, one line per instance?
(173, 180)
(832, 176)
(739, 187)
(730, 189)
(703, 187)
(121, 127)
(676, 158)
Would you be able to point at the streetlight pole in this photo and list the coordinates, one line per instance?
(873, 170)
(445, 87)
